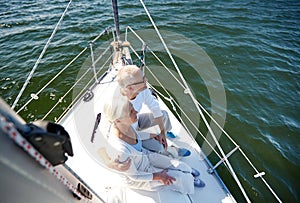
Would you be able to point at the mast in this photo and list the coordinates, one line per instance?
(116, 17)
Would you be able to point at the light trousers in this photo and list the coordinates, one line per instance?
(184, 182)
(146, 120)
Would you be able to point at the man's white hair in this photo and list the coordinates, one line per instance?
(125, 75)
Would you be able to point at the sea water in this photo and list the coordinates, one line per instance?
(254, 45)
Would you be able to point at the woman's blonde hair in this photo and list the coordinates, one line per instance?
(115, 106)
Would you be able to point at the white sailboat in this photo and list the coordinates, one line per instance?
(83, 172)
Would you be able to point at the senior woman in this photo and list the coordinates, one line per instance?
(148, 170)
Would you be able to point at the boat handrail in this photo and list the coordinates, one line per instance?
(93, 62)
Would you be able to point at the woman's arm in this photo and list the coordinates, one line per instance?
(114, 164)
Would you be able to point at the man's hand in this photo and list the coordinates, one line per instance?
(162, 139)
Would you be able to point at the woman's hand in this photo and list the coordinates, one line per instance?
(114, 164)
(164, 177)
(120, 166)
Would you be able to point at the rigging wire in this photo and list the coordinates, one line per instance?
(157, 58)
(183, 85)
(83, 89)
(67, 66)
(242, 152)
(41, 55)
(199, 110)
(203, 109)
(50, 81)
(170, 99)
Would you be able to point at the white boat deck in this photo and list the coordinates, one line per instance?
(86, 162)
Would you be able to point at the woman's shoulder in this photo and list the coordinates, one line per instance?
(117, 148)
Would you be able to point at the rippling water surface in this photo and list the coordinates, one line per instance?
(254, 45)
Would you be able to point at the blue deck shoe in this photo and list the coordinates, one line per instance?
(195, 173)
(183, 152)
(171, 135)
(198, 182)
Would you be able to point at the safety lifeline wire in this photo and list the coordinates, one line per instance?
(195, 102)
(40, 57)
